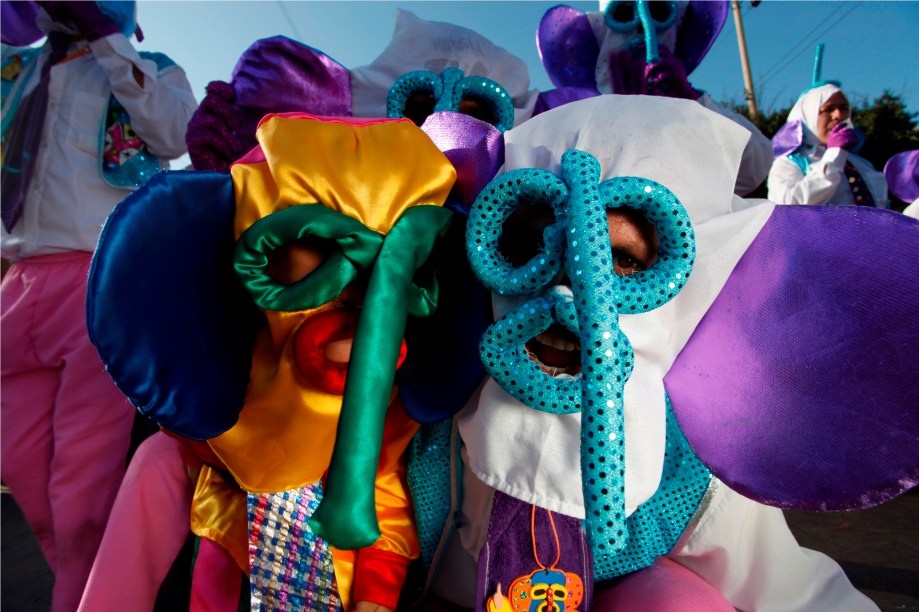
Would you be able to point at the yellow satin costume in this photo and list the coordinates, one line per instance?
(371, 171)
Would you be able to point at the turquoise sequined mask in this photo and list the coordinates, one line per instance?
(573, 294)
(421, 93)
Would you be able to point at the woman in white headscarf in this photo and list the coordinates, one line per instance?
(815, 159)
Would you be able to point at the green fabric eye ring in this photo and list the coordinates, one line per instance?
(357, 245)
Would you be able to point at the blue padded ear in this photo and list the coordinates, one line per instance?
(442, 368)
(164, 308)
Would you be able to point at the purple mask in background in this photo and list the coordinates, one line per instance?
(569, 49)
(902, 174)
(17, 23)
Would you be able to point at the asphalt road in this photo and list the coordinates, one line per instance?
(878, 549)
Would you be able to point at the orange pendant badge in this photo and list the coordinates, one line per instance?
(547, 589)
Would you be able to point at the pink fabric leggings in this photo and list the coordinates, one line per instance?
(146, 531)
(65, 426)
(666, 586)
(148, 526)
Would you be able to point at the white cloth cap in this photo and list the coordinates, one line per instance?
(431, 45)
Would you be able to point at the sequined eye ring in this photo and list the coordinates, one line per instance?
(449, 90)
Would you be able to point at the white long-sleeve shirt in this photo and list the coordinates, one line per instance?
(68, 200)
(825, 180)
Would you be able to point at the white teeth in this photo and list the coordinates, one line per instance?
(555, 342)
(554, 372)
(563, 291)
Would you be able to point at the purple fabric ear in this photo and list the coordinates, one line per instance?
(902, 174)
(18, 23)
(568, 47)
(475, 148)
(554, 98)
(699, 28)
(280, 75)
(789, 137)
(799, 386)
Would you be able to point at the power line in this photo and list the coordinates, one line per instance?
(804, 40)
(290, 22)
(777, 70)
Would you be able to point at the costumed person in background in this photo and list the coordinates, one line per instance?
(635, 411)
(641, 47)
(902, 174)
(815, 159)
(86, 118)
(335, 249)
(427, 67)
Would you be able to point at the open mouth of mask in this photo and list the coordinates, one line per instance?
(557, 351)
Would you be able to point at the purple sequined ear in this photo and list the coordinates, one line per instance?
(698, 30)
(279, 75)
(798, 387)
(568, 47)
(789, 137)
(902, 174)
(474, 147)
(18, 23)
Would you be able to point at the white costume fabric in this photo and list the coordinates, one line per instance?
(757, 154)
(741, 547)
(824, 182)
(912, 210)
(430, 45)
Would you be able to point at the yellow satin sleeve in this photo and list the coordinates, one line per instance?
(371, 171)
(218, 512)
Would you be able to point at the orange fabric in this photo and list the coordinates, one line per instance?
(75, 55)
(218, 513)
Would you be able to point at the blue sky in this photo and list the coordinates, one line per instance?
(870, 45)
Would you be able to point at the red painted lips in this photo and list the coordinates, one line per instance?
(322, 349)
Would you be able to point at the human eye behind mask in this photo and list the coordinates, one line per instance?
(294, 261)
(302, 257)
(633, 240)
(522, 235)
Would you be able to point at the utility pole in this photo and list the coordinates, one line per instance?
(744, 61)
